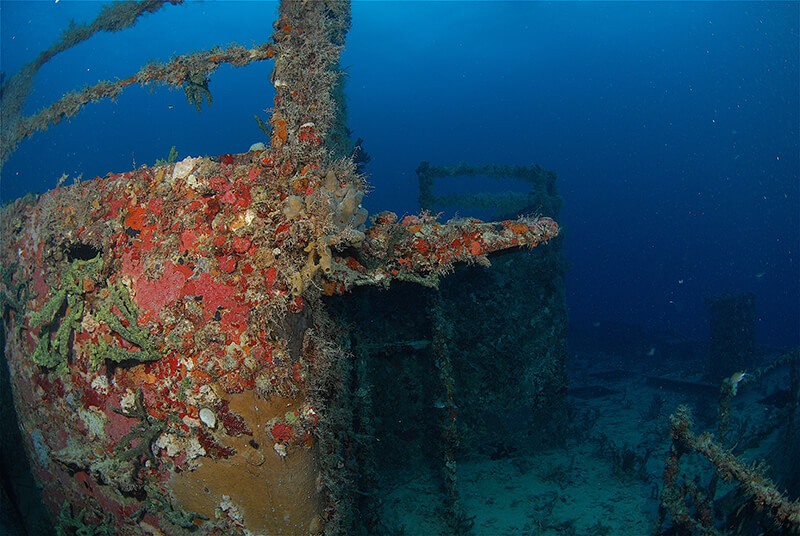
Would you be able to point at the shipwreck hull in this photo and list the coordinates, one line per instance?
(141, 326)
(172, 363)
(171, 360)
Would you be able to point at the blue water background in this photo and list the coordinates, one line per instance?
(673, 127)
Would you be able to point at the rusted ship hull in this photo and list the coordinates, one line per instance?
(171, 361)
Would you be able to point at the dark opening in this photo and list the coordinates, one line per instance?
(82, 252)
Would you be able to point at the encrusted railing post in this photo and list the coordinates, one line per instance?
(306, 117)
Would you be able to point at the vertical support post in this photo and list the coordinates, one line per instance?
(307, 116)
(459, 524)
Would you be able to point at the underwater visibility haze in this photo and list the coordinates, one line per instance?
(650, 151)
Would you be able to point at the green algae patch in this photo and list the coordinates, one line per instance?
(119, 298)
(62, 313)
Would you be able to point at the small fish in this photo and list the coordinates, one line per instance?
(596, 324)
(651, 352)
(759, 275)
(170, 107)
(734, 380)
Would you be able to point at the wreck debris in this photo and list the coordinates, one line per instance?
(759, 487)
(761, 492)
